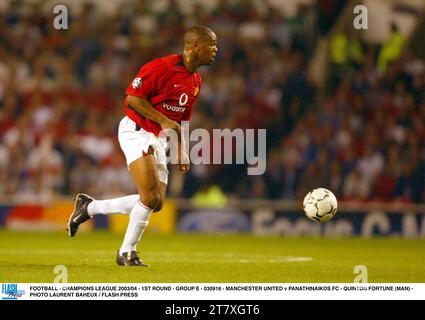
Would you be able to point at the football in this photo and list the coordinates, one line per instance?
(320, 205)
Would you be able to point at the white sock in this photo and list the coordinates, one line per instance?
(139, 219)
(121, 205)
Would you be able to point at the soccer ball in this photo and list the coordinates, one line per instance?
(320, 205)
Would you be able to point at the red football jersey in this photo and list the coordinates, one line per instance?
(168, 86)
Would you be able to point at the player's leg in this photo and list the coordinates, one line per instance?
(150, 174)
(162, 170)
(144, 173)
(86, 208)
(121, 205)
(162, 191)
(132, 143)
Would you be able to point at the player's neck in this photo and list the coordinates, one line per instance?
(189, 62)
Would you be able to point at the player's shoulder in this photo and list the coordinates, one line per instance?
(171, 60)
(163, 62)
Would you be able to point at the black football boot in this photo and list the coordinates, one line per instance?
(80, 214)
(130, 259)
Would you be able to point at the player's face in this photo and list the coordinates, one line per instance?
(208, 49)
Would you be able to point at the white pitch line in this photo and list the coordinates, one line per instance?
(204, 257)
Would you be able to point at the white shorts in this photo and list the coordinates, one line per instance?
(135, 144)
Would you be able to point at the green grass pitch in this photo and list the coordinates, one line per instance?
(90, 257)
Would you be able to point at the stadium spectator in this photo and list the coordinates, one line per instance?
(392, 49)
(61, 94)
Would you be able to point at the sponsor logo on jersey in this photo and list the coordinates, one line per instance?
(183, 99)
(173, 108)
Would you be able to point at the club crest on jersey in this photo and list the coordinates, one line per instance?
(137, 83)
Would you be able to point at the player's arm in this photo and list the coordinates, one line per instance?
(184, 160)
(144, 108)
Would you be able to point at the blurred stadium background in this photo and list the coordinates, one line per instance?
(344, 109)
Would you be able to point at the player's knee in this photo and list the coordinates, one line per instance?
(159, 206)
(152, 199)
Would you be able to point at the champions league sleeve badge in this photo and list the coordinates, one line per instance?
(137, 83)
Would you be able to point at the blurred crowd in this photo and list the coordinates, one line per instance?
(61, 99)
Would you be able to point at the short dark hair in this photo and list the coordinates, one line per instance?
(196, 32)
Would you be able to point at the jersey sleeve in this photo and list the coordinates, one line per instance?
(145, 83)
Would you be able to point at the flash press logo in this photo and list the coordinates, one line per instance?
(10, 291)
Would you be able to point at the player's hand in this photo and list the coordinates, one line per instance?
(184, 162)
(169, 124)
